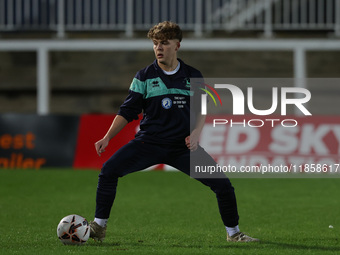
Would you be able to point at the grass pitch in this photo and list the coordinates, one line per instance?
(168, 213)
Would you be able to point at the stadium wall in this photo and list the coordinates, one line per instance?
(32, 141)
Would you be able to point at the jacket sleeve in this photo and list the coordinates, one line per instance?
(133, 104)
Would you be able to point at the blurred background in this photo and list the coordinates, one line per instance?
(44, 68)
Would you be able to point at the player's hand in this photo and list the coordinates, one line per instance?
(192, 140)
(101, 145)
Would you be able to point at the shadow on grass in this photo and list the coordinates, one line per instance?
(103, 244)
(261, 244)
(301, 246)
(276, 245)
(117, 244)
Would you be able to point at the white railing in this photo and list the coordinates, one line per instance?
(43, 47)
(199, 16)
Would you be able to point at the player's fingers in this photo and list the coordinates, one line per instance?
(193, 148)
(98, 148)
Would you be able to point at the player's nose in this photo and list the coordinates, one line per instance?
(159, 46)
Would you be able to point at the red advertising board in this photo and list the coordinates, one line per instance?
(235, 140)
(231, 140)
(91, 129)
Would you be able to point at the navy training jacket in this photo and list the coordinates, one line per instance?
(165, 103)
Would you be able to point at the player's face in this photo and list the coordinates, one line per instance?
(166, 51)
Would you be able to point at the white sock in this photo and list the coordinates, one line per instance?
(232, 231)
(101, 222)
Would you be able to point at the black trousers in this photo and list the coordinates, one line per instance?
(136, 156)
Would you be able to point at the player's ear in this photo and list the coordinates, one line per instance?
(178, 44)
